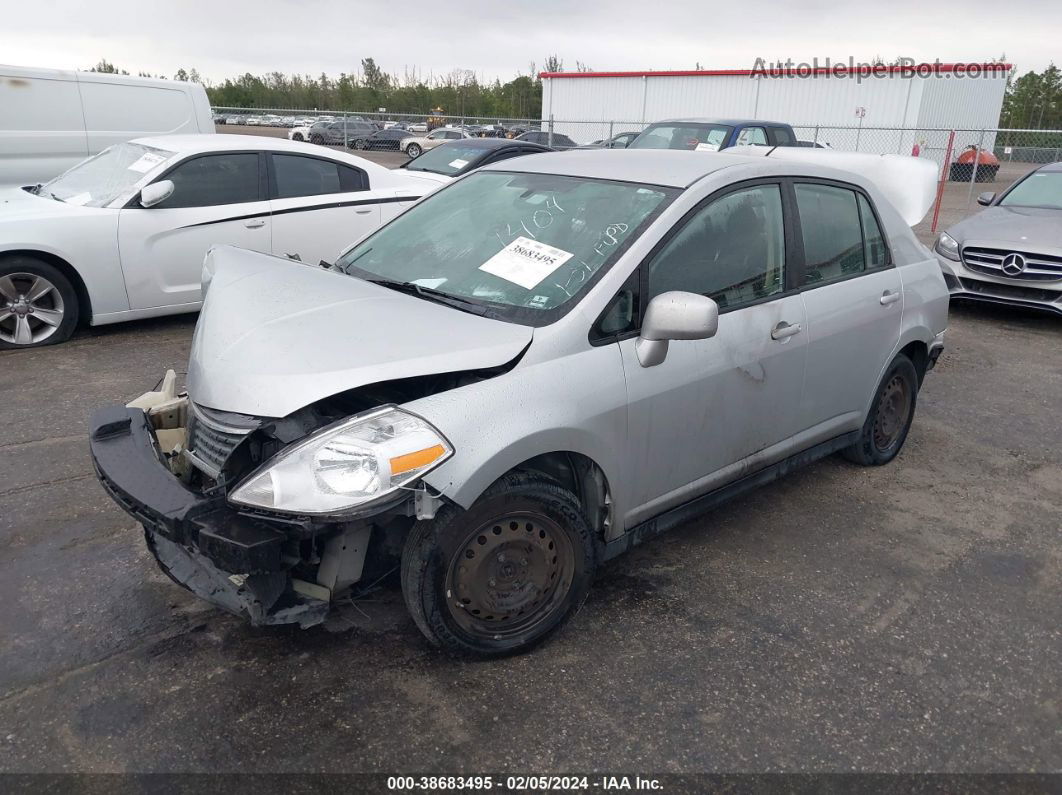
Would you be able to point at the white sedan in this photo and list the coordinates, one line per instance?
(414, 146)
(122, 235)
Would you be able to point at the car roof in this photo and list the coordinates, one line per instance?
(219, 142)
(1051, 167)
(668, 167)
(496, 143)
(727, 122)
(207, 142)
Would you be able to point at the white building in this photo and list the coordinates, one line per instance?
(871, 108)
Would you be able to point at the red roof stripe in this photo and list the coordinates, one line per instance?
(833, 69)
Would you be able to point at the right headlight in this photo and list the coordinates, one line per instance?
(352, 462)
(948, 246)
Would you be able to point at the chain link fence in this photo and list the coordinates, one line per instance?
(969, 161)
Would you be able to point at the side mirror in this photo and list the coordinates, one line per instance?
(675, 316)
(156, 192)
(986, 198)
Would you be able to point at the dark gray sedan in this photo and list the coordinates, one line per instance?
(1011, 252)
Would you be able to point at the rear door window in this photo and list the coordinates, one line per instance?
(782, 136)
(310, 176)
(832, 232)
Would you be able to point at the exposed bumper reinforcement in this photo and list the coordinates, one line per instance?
(231, 560)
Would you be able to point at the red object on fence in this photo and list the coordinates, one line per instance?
(943, 179)
(916, 150)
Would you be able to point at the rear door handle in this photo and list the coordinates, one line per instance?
(785, 330)
(363, 212)
(889, 297)
(254, 223)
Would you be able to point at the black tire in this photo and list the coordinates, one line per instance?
(413, 150)
(525, 515)
(316, 139)
(296, 136)
(889, 420)
(360, 143)
(18, 314)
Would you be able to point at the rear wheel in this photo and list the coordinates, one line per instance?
(413, 150)
(890, 417)
(503, 575)
(38, 304)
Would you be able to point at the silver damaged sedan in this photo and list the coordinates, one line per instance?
(1011, 252)
(522, 376)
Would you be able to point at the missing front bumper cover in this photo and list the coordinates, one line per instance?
(233, 561)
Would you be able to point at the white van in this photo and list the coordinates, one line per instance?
(52, 119)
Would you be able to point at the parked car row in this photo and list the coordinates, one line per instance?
(268, 120)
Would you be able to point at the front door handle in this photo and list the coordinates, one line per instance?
(254, 223)
(889, 297)
(363, 212)
(785, 330)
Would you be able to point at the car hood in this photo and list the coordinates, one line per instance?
(276, 335)
(1017, 227)
(17, 205)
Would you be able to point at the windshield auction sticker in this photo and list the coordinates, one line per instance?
(526, 262)
(147, 161)
(459, 163)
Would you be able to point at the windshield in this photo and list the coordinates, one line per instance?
(1041, 189)
(448, 159)
(519, 244)
(101, 179)
(682, 135)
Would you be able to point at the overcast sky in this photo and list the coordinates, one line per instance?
(500, 38)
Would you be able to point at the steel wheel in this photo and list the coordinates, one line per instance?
(893, 409)
(509, 575)
(413, 150)
(31, 308)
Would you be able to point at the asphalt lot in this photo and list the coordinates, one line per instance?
(902, 618)
(907, 618)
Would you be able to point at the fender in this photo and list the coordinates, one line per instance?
(498, 424)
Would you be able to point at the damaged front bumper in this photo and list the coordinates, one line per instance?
(238, 562)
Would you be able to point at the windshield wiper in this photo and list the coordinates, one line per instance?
(57, 198)
(431, 294)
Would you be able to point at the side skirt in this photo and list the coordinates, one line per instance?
(681, 514)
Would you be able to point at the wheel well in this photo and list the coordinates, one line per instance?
(68, 270)
(580, 475)
(918, 353)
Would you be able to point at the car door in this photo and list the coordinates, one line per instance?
(696, 418)
(217, 198)
(319, 206)
(854, 301)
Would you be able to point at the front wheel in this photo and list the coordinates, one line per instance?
(890, 417)
(316, 139)
(503, 575)
(38, 304)
(413, 150)
(296, 136)
(360, 144)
